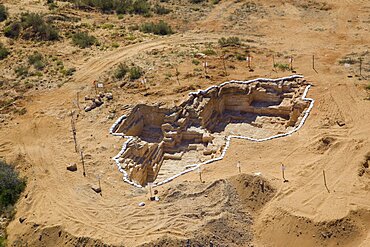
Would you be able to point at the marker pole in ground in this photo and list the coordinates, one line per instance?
(152, 198)
(283, 173)
(200, 174)
(291, 64)
(101, 193)
(238, 166)
(273, 63)
(74, 132)
(326, 186)
(177, 76)
(83, 163)
(205, 65)
(224, 63)
(313, 63)
(78, 100)
(360, 66)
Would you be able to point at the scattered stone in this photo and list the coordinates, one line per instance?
(141, 204)
(96, 188)
(72, 167)
(341, 123)
(109, 96)
(22, 219)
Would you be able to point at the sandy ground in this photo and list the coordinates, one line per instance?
(61, 209)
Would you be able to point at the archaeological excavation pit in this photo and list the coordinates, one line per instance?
(166, 142)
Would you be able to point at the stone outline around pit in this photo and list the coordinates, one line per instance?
(228, 139)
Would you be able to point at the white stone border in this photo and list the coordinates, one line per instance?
(228, 139)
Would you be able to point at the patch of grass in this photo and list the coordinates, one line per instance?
(13, 30)
(160, 28)
(68, 72)
(11, 186)
(32, 27)
(195, 62)
(282, 66)
(196, 1)
(21, 71)
(115, 45)
(139, 7)
(230, 41)
(2, 241)
(135, 72)
(160, 10)
(83, 40)
(37, 60)
(4, 52)
(209, 52)
(3, 13)
(121, 71)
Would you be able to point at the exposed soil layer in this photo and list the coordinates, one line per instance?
(196, 130)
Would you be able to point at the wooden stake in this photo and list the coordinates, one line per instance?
(205, 64)
(283, 173)
(177, 76)
(326, 186)
(360, 66)
(239, 168)
(224, 63)
(78, 100)
(83, 163)
(200, 174)
(313, 63)
(74, 132)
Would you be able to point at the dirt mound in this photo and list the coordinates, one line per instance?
(285, 229)
(55, 236)
(240, 196)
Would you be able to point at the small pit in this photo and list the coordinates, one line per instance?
(167, 141)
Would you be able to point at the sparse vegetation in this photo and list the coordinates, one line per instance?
(281, 66)
(33, 27)
(3, 13)
(83, 40)
(135, 72)
(367, 87)
(231, 41)
(37, 60)
(209, 52)
(11, 186)
(140, 7)
(121, 71)
(21, 71)
(160, 10)
(160, 28)
(4, 52)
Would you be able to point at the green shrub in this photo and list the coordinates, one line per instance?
(135, 72)
(160, 28)
(195, 62)
(21, 71)
(36, 28)
(231, 41)
(11, 186)
(121, 71)
(3, 13)
(69, 72)
(160, 10)
(37, 60)
(3, 52)
(282, 66)
(240, 57)
(13, 30)
(196, 1)
(83, 40)
(140, 7)
(209, 52)
(367, 87)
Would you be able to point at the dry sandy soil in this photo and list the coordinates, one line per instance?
(228, 209)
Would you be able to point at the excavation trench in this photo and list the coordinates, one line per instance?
(165, 142)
